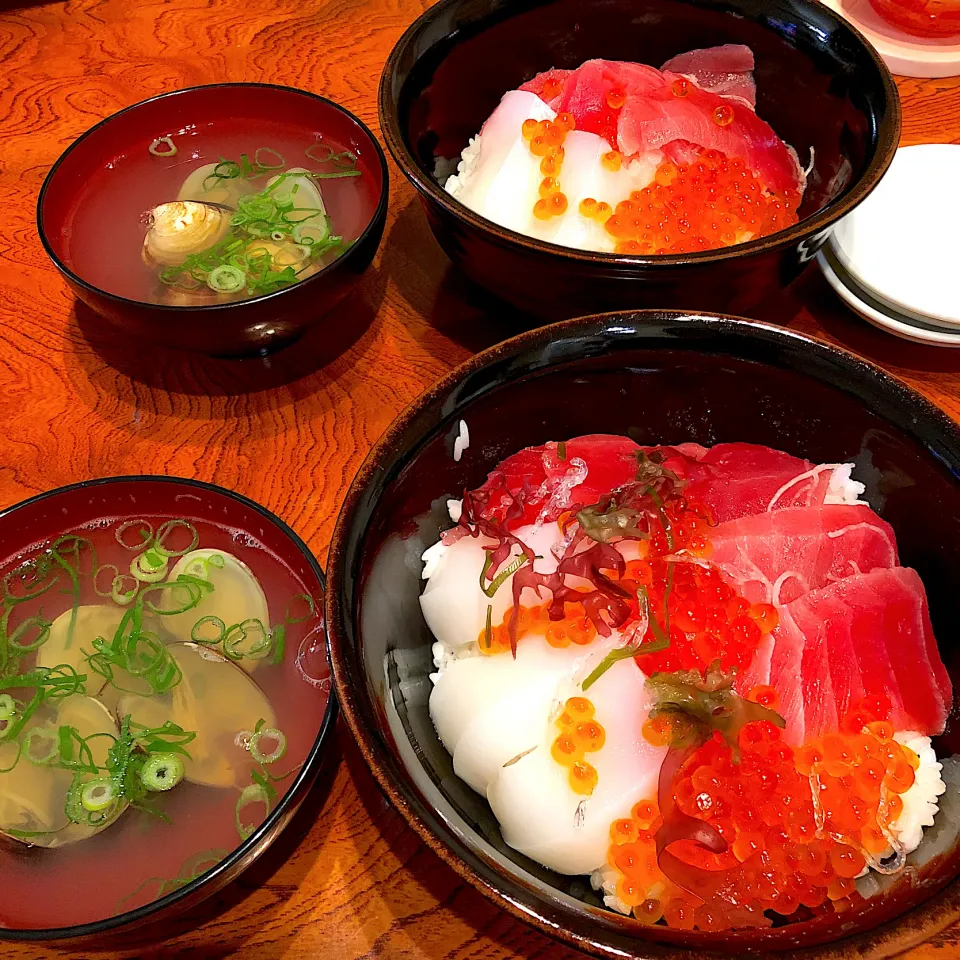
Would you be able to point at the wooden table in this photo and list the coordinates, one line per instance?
(348, 879)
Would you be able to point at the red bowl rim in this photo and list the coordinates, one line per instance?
(377, 217)
(816, 226)
(219, 874)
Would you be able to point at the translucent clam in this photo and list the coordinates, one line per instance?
(33, 796)
(205, 186)
(181, 228)
(236, 598)
(216, 700)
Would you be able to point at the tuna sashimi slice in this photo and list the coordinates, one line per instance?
(726, 70)
(740, 479)
(547, 485)
(779, 555)
(546, 83)
(865, 635)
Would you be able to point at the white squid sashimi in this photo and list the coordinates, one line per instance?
(499, 176)
(585, 176)
(542, 817)
(453, 604)
(489, 709)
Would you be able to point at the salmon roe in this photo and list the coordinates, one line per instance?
(710, 203)
(546, 141)
(708, 620)
(579, 735)
(800, 825)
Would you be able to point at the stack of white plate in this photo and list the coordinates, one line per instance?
(896, 259)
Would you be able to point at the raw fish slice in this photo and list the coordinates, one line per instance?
(585, 175)
(539, 813)
(502, 178)
(555, 79)
(585, 93)
(847, 673)
(924, 682)
(784, 674)
(658, 117)
(726, 70)
(454, 606)
(874, 624)
(548, 486)
(739, 479)
(778, 555)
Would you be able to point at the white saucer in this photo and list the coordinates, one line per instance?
(904, 54)
(873, 311)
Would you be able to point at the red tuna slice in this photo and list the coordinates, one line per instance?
(865, 635)
(740, 479)
(779, 555)
(552, 80)
(659, 117)
(545, 486)
(726, 70)
(586, 90)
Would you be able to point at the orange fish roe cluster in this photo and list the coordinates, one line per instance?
(579, 735)
(708, 620)
(641, 885)
(546, 141)
(710, 203)
(800, 825)
(575, 627)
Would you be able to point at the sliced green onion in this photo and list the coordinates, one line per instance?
(311, 608)
(247, 639)
(121, 596)
(28, 646)
(265, 164)
(145, 530)
(148, 567)
(278, 644)
(226, 170)
(311, 152)
(200, 634)
(268, 734)
(7, 706)
(42, 735)
(216, 560)
(251, 795)
(162, 771)
(278, 236)
(97, 589)
(488, 628)
(501, 578)
(169, 147)
(98, 794)
(164, 532)
(344, 159)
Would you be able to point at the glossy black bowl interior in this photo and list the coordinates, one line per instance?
(666, 378)
(820, 85)
(43, 518)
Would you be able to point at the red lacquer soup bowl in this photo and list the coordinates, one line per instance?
(92, 207)
(63, 554)
(663, 378)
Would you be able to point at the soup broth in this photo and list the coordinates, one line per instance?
(151, 719)
(252, 207)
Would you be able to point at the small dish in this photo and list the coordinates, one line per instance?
(880, 314)
(99, 898)
(820, 86)
(899, 244)
(93, 177)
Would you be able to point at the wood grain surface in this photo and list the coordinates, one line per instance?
(348, 879)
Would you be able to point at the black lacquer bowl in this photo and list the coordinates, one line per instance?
(820, 85)
(673, 377)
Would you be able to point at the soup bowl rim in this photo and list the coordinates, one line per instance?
(888, 138)
(358, 245)
(291, 798)
(387, 458)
